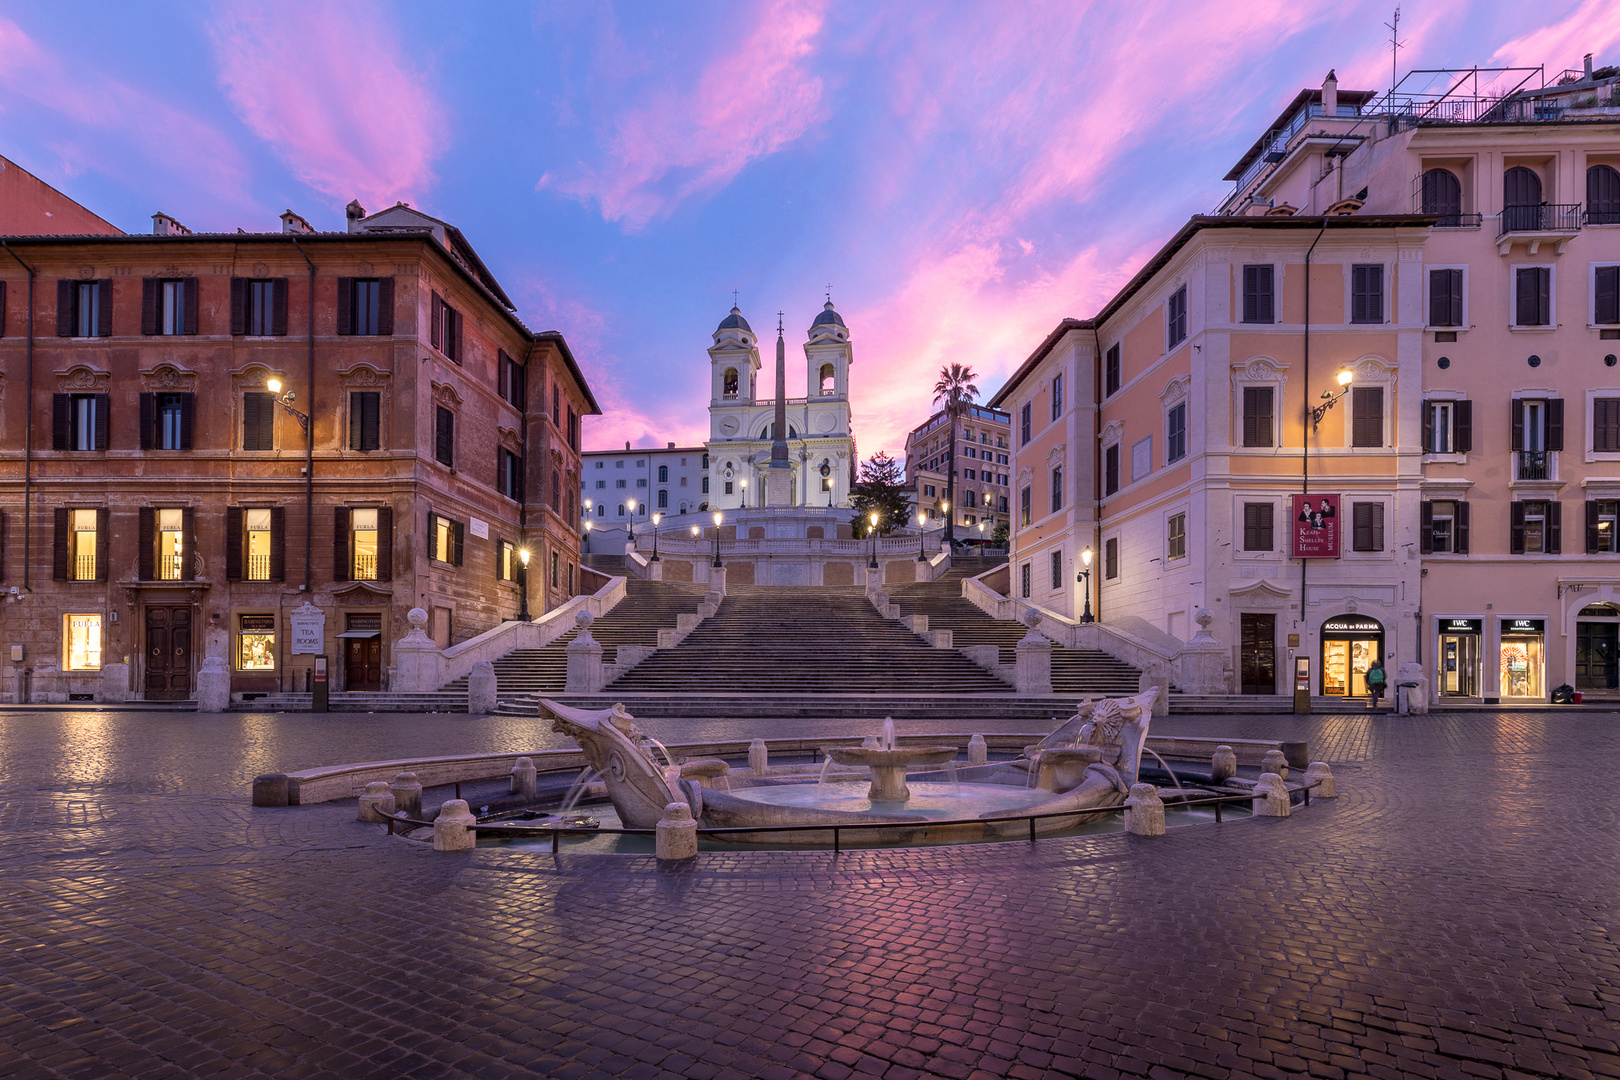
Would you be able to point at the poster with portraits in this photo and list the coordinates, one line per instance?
(1316, 526)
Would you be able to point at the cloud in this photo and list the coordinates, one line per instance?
(331, 91)
(681, 143)
(1591, 28)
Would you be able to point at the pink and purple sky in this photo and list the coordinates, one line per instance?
(963, 174)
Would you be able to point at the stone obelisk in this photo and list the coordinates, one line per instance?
(779, 480)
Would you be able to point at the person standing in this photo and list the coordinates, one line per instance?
(1375, 682)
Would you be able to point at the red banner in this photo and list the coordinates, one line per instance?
(1316, 526)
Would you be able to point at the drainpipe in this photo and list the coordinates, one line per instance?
(1305, 449)
(309, 435)
(28, 431)
(523, 487)
(1096, 471)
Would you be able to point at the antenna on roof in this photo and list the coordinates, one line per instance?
(1395, 45)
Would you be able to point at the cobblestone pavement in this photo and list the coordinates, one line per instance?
(1449, 915)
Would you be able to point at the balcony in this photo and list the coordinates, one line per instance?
(1547, 223)
(1533, 464)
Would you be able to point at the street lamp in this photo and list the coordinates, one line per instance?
(1084, 577)
(872, 532)
(745, 494)
(1329, 398)
(922, 520)
(717, 538)
(286, 400)
(523, 590)
(656, 519)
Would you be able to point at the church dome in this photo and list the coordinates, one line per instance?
(828, 317)
(734, 321)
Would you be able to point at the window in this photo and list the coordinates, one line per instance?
(556, 490)
(169, 306)
(1521, 200)
(365, 420)
(81, 545)
(1024, 576)
(1258, 303)
(1057, 569)
(1443, 528)
(1538, 425)
(505, 560)
(729, 490)
(969, 474)
(1175, 433)
(513, 381)
(601, 509)
(1111, 371)
(1257, 527)
(1442, 196)
(1367, 531)
(167, 421)
(509, 474)
(366, 306)
(1606, 293)
(84, 308)
(620, 483)
(601, 483)
(705, 487)
(259, 306)
(171, 545)
(445, 540)
(573, 429)
(1448, 427)
(663, 499)
(1057, 398)
(1176, 537)
(79, 421)
(259, 538)
(81, 641)
(1534, 528)
(445, 329)
(1257, 415)
(556, 404)
(1176, 317)
(258, 421)
(641, 481)
(971, 452)
(1367, 424)
(1111, 558)
(1446, 297)
(256, 643)
(663, 474)
(1057, 489)
(1532, 296)
(1111, 469)
(1601, 516)
(1024, 423)
(728, 385)
(1606, 425)
(1367, 293)
(1141, 459)
(365, 545)
(444, 437)
(1024, 506)
(1603, 195)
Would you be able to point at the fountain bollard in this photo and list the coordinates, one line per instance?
(407, 795)
(1222, 764)
(453, 828)
(1144, 811)
(676, 834)
(978, 752)
(759, 757)
(376, 802)
(524, 780)
(1319, 771)
(1271, 796)
(1275, 762)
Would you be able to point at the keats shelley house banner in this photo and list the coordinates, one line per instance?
(1316, 526)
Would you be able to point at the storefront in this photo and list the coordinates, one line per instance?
(1597, 648)
(1522, 658)
(1350, 644)
(1459, 657)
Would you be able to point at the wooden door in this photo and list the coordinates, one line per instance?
(1597, 656)
(1259, 654)
(168, 653)
(362, 663)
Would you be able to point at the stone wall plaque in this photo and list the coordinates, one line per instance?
(478, 528)
(308, 630)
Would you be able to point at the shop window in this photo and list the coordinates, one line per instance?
(1176, 537)
(1522, 657)
(1601, 515)
(81, 642)
(80, 545)
(171, 545)
(256, 643)
(257, 539)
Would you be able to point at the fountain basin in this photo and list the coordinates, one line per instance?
(889, 766)
(928, 801)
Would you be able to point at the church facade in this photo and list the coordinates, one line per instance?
(819, 441)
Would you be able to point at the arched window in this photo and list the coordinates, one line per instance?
(1521, 200)
(1603, 195)
(730, 382)
(621, 509)
(828, 387)
(1442, 195)
(663, 474)
(663, 499)
(769, 431)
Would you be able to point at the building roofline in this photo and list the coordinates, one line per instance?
(1036, 357)
(1304, 97)
(556, 337)
(651, 450)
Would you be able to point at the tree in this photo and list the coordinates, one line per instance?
(1000, 537)
(882, 488)
(956, 389)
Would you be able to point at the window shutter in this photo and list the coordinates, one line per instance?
(150, 288)
(435, 334)
(385, 307)
(59, 546)
(1591, 527)
(1555, 423)
(1426, 528)
(188, 419)
(1459, 525)
(3, 309)
(1267, 541)
(370, 420)
(385, 543)
(278, 544)
(503, 377)
(1368, 424)
(456, 537)
(1517, 420)
(520, 382)
(148, 421)
(1455, 293)
(65, 296)
(234, 543)
(1438, 306)
(1263, 404)
(1251, 522)
(1358, 294)
(105, 302)
(103, 410)
(188, 553)
(1524, 298)
(1462, 439)
(340, 543)
(1428, 427)
(102, 540)
(1361, 515)
(190, 326)
(1516, 528)
(1376, 523)
(148, 542)
(502, 476)
(1543, 296)
(1606, 295)
(61, 420)
(1555, 528)
(345, 309)
(357, 440)
(2, 545)
(444, 444)
(458, 352)
(278, 307)
(433, 536)
(238, 305)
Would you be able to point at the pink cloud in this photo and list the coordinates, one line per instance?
(1591, 28)
(756, 98)
(331, 90)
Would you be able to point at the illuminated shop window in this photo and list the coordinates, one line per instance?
(82, 634)
(256, 643)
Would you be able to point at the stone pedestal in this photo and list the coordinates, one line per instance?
(1144, 811)
(525, 778)
(377, 802)
(584, 658)
(1319, 771)
(978, 751)
(115, 683)
(1275, 761)
(1222, 764)
(453, 828)
(416, 658)
(213, 685)
(481, 689)
(271, 789)
(1032, 671)
(675, 835)
(1271, 796)
(1415, 700)
(407, 795)
(1201, 664)
(759, 757)
(779, 487)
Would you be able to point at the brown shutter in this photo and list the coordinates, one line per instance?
(191, 292)
(188, 553)
(433, 537)
(278, 307)
(278, 544)
(1361, 517)
(151, 289)
(340, 543)
(65, 296)
(1555, 423)
(435, 335)
(1376, 520)
(1516, 528)
(1428, 427)
(385, 543)
(238, 305)
(1591, 527)
(59, 546)
(1517, 420)
(2, 309)
(103, 411)
(1606, 298)
(1555, 528)
(1459, 526)
(500, 471)
(233, 543)
(1463, 438)
(2, 545)
(500, 544)
(1456, 297)
(148, 421)
(459, 353)
(188, 419)
(1439, 297)
(148, 544)
(103, 538)
(1426, 528)
(104, 315)
(385, 306)
(503, 376)
(345, 309)
(457, 535)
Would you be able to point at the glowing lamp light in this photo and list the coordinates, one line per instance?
(274, 386)
(1085, 558)
(1346, 377)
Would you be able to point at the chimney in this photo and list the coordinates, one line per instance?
(627, 444)
(672, 446)
(293, 223)
(1588, 62)
(1330, 95)
(164, 225)
(354, 212)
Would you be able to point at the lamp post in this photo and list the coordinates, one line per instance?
(872, 532)
(656, 519)
(523, 591)
(745, 494)
(1084, 577)
(945, 516)
(1330, 399)
(922, 520)
(717, 516)
(585, 533)
(826, 471)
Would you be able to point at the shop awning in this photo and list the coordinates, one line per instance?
(361, 633)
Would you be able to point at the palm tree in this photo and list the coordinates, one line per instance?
(956, 390)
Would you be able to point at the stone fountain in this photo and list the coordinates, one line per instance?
(889, 763)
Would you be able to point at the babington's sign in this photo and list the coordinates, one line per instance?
(1315, 526)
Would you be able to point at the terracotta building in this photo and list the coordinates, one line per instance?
(979, 442)
(269, 447)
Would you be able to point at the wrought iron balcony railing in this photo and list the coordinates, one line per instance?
(1533, 465)
(1546, 217)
